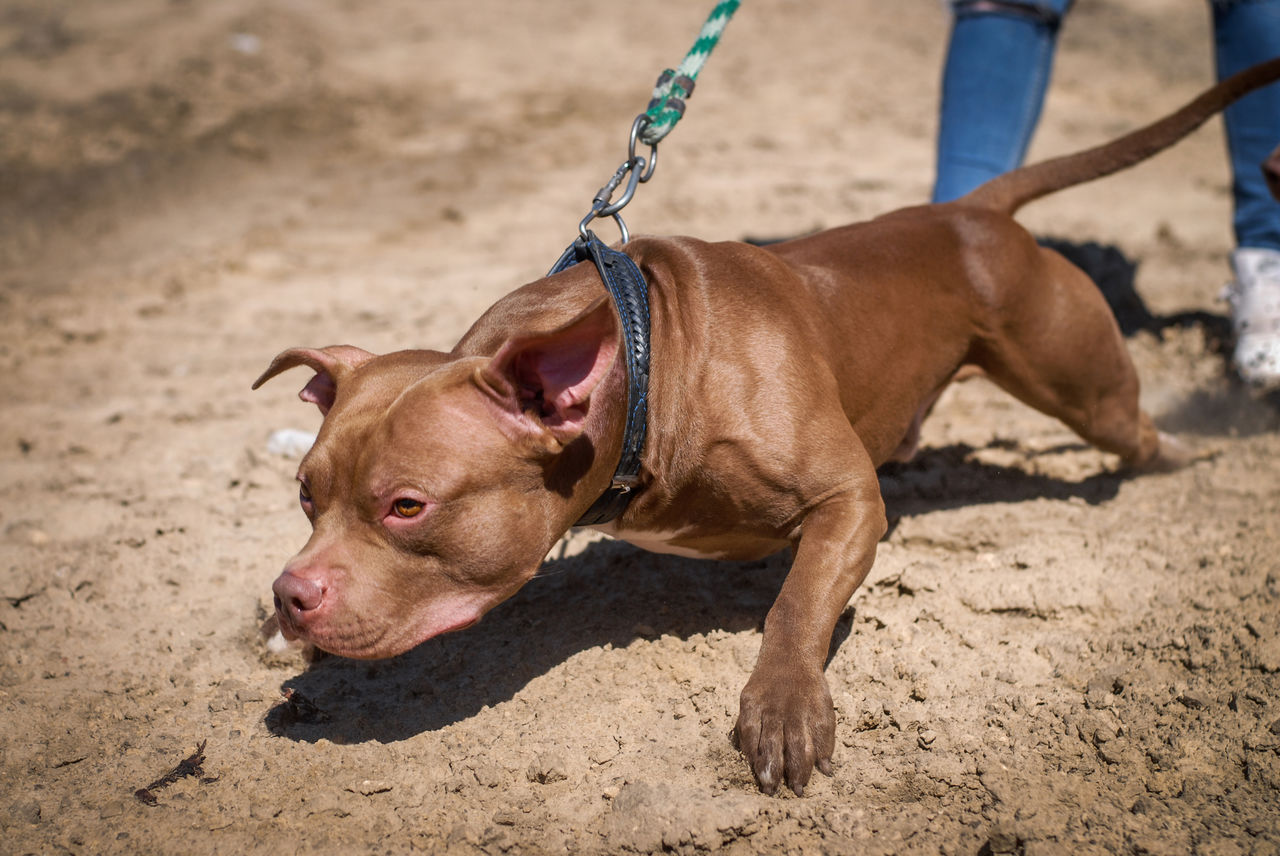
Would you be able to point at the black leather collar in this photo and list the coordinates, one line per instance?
(630, 295)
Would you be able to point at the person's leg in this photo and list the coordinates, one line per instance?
(1247, 32)
(993, 83)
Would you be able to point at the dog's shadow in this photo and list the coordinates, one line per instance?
(610, 594)
(1115, 273)
(948, 477)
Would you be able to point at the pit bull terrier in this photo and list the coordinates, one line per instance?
(781, 378)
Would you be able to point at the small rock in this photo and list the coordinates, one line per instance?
(1101, 689)
(603, 751)
(1268, 655)
(370, 787)
(1103, 683)
(231, 695)
(1240, 703)
(640, 817)
(1274, 727)
(490, 775)
(926, 737)
(1192, 702)
(1114, 752)
(870, 716)
(547, 768)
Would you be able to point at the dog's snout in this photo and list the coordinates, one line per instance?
(295, 596)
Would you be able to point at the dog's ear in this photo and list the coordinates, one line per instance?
(542, 382)
(331, 365)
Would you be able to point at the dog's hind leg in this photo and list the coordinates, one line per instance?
(1055, 345)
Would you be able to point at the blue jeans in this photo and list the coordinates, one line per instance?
(998, 65)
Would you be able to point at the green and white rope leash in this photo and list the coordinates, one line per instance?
(675, 85)
(665, 109)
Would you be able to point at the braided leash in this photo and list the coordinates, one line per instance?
(665, 109)
(676, 85)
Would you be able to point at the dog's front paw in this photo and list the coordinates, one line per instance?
(786, 726)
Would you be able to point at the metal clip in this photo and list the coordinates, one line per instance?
(636, 170)
(625, 484)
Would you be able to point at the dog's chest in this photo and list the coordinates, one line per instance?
(674, 543)
(694, 543)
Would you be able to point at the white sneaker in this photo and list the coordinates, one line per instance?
(1255, 315)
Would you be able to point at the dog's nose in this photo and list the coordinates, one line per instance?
(295, 597)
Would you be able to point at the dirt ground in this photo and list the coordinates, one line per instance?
(1047, 658)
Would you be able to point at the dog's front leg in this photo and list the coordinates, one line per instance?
(786, 722)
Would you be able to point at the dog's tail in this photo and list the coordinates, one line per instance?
(1009, 192)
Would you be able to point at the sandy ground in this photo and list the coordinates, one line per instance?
(1047, 658)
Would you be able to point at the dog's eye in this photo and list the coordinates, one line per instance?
(304, 494)
(407, 508)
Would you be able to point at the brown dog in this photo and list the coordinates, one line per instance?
(782, 377)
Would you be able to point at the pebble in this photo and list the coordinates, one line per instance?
(603, 751)
(490, 774)
(1101, 690)
(547, 768)
(1192, 702)
(870, 716)
(1268, 655)
(1113, 752)
(369, 787)
(1143, 805)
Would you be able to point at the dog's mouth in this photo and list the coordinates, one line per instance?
(285, 624)
(472, 623)
(365, 640)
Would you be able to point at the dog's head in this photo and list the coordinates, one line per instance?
(438, 482)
